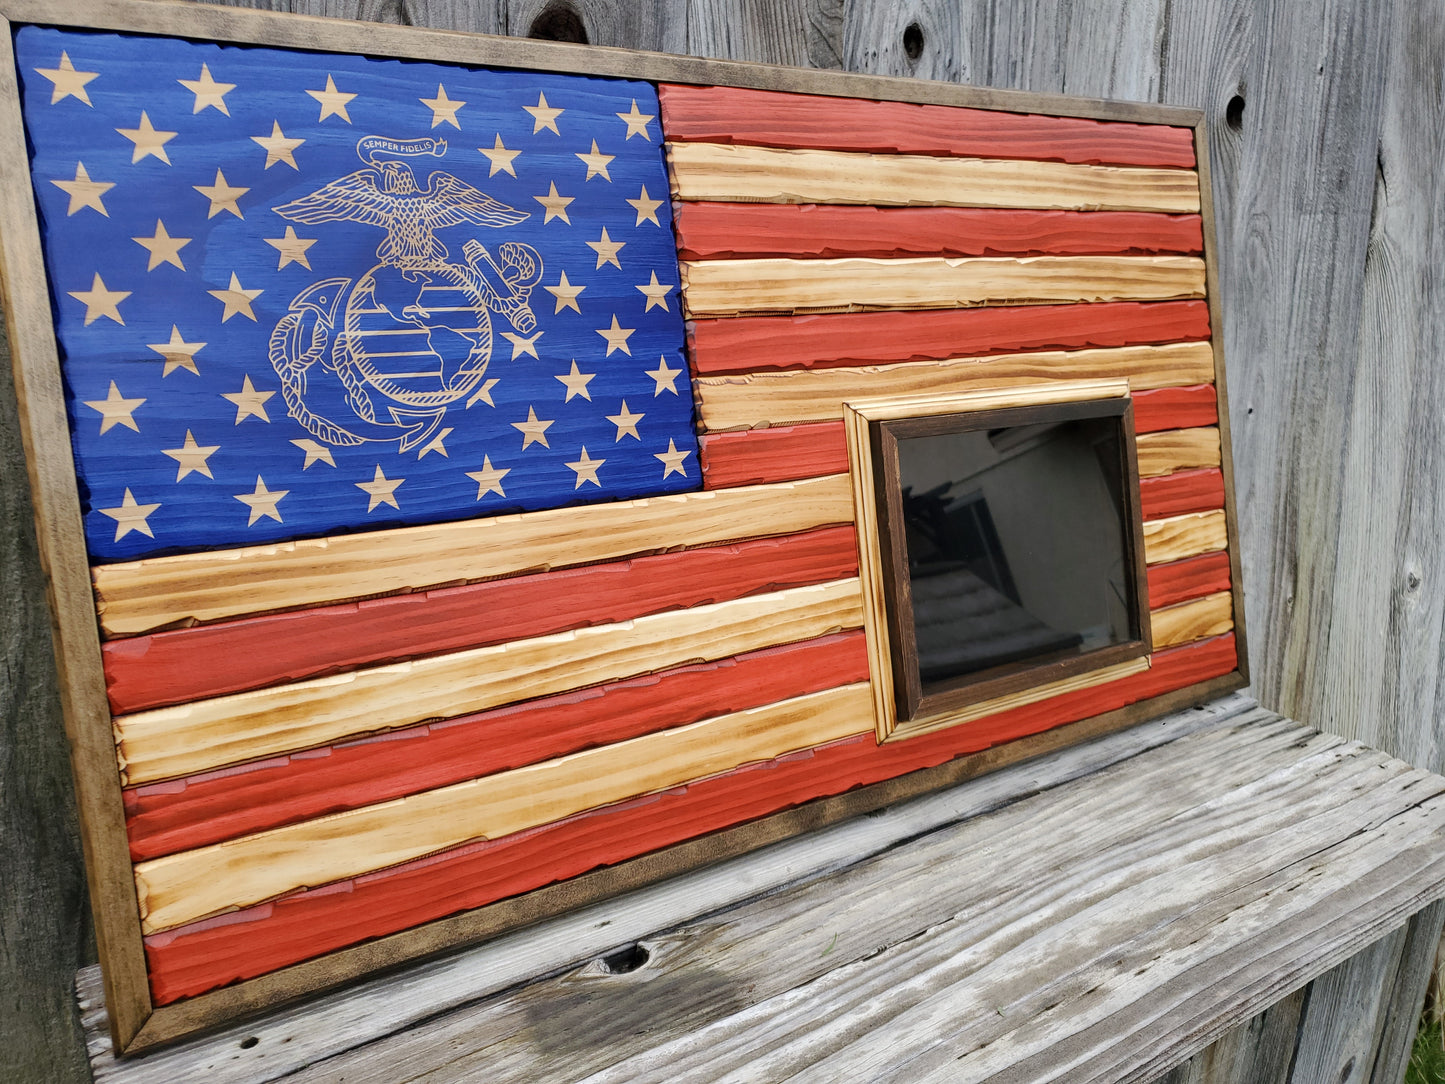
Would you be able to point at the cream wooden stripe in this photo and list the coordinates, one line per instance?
(732, 287)
(1177, 449)
(746, 400)
(985, 708)
(193, 884)
(1192, 620)
(141, 596)
(206, 734)
(712, 171)
(1183, 536)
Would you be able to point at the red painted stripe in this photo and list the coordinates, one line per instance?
(773, 119)
(749, 343)
(215, 952)
(784, 454)
(1175, 408)
(1180, 492)
(183, 814)
(1193, 577)
(718, 231)
(188, 664)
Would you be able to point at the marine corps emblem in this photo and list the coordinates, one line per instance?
(382, 357)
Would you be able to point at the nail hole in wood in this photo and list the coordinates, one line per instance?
(626, 959)
(248, 1042)
(559, 21)
(913, 41)
(1234, 112)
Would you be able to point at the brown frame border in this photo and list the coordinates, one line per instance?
(915, 703)
(136, 1024)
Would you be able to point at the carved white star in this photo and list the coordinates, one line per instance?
(543, 115)
(636, 122)
(576, 383)
(489, 478)
(262, 502)
(616, 337)
(586, 469)
(443, 108)
(665, 378)
(380, 490)
(626, 422)
(208, 92)
(130, 516)
(672, 460)
(500, 158)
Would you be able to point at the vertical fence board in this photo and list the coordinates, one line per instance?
(1380, 679)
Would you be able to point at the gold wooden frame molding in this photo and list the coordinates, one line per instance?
(883, 656)
(136, 1023)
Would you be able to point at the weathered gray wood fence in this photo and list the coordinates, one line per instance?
(1328, 139)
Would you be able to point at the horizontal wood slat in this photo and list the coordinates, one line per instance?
(1185, 491)
(184, 814)
(719, 231)
(729, 287)
(141, 596)
(773, 455)
(1178, 537)
(1193, 620)
(751, 343)
(1179, 581)
(306, 924)
(1175, 408)
(206, 734)
(1177, 449)
(733, 174)
(212, 660)
(193, 884)
(754, 399)
(770, 118)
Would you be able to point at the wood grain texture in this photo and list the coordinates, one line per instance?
(983, 935)
(240, 872)
(761, 456)
(1312, 82)
(751, 343)
(232, 656)
(719, 231)
(1182, 491)
(1193, 577)
(1175, 408)
(764, 118)
(768, 398)
(1184, 622)
(733, 174)
(141, 596)
(44, 927)
(1178, 449)
(1256, 1052)
(312, 1030)
(206, 734)
(927, 724)
(1183, 536)
(44, 434)
(727, 287)
(200, 810)
(305, 924)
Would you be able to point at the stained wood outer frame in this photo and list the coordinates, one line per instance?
(917, 703)
(136, 1024)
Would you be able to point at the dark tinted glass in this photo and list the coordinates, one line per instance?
(1016, 544)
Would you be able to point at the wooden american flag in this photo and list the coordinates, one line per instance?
(326, 741)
